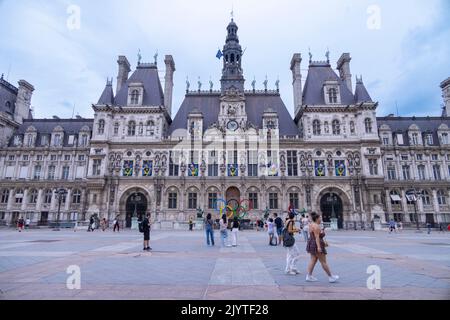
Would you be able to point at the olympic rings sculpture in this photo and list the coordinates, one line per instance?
(233, 208)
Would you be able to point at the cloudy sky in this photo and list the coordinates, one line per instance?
(401, 48)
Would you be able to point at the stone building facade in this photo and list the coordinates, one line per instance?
(232, 148)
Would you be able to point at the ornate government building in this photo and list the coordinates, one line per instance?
(230, 146)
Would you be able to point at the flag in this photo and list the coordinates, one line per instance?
(219, 54)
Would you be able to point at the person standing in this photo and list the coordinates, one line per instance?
(429, 228)
(279, 226)
(146, 230)
(191, 224)
(305, 228)
(209, 227)
(27, 223)
(391, 225)
(20, 224)
(316, 247)
(234, 231)
(116, 224)
(224, 230)
(271, 231)
(292, 252)
(103, 224)
(91, 224)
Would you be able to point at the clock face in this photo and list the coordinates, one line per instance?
(232, 125)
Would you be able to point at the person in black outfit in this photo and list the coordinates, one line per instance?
(146, 227)
(279, 226)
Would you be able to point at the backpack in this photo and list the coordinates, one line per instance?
(141, 226)
(288, 239)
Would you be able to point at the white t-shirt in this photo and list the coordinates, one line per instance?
(270, 227)
(305, 223)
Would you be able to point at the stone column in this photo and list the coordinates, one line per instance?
(404, 201)
(437, 210)
(388, 203)
(24, 200)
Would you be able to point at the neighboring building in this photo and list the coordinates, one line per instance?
(228, 146)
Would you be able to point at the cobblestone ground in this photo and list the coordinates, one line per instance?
(33, 265)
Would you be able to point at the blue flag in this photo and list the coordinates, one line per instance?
(219, 54)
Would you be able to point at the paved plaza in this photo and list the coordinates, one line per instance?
(33, 265)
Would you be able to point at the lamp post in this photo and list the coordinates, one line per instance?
(413, 196)
(60, 194)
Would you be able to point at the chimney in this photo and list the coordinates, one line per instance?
(23, 102)
(168, 90)
(297, 81)
(124, 71)
(343, 65)
(445, 86)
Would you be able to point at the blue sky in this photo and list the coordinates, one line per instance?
(402, 52)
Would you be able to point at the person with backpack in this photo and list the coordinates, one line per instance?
(144, 227)
(292, 252)
(279, 226)
(234, 231)
(316, 247)
(209, 228)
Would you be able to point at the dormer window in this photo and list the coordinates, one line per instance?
(445, 138)
(101, 127)
(135, 97)
(316, 128)
(57, 140)
(415, 139)
(429, 139)
(332, 96)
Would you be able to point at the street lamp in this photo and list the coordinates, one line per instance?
(60, 194)
(413, 196)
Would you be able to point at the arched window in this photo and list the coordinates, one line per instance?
(426, 198)
(336, 127)
(101, 127)
(135, 97)
(76, 197)
(442, 199)
(316, 128)
(368, 124)
(150, 128)
(33, 196)
(131, 128)
(5, 196)
(48, 196)
(332, 95)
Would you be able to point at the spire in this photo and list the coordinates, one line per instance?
(107, 96)
(361, 94)
(232, 74)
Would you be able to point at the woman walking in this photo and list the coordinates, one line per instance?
(209, 227)
(271, 231)
(234, 231)
(292, 252)
(223, 230)
(316, 247)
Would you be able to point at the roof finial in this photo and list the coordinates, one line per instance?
(277, 84)
(265, 83)
(139, 57)
(232, 13)
(328, 55)
(188, 84)
(156, 57)
(310, 55)
(254, 83)
(199, 85)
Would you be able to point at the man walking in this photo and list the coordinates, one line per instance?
(191, 224)
(146, 229)
(116, 225)
(279, 225)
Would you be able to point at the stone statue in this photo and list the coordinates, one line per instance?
(330, 161)
(254, 84)
(277, 84)
(139, 57)
(328, 55)
(211, 85)
(199, 85)
(310, 56)
(188, 84)
(156, 57)
(265, 84)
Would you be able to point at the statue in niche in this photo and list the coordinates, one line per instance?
(330, 161)
(357, 161)
(302, 161)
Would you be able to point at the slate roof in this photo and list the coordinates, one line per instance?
(209, 105)
(147, 74)
(425, 124)
(107, 96)
(361, 94)
(46, 127)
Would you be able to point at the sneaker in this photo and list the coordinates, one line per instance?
(310, 278)
(333, 279)
(292, 273)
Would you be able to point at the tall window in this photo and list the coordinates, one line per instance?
(426, 198)
(406, 172)
(213, 167)
(386, 140)
(292, 163)
(101, 127)
(212, 200)
(19, 196)
(96, 167)
(316, 128)
(273, 201)
(415, 139)
(368, 124)
(373, 167)
(131, 128)
(252, 160)
(51, 172)
(421, 172)
(395, 197)
(65, 173)
(173, 163)
(293, 200)
(336, 127)
(253, 199)
(332, 95)
(57, 140)
(429, 138)
(48, 196)
(173, 200)
(37, 172)
(5, 196)
(84, 140)
(192, 200)
(391, 173)
(445, 138)
(442, 199)
(150, 128)
(33, 196)
(437, 172)
(76, 196)
(135, 97)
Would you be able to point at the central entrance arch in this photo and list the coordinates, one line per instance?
(331, 205)
(233, 197)
(136, 206)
